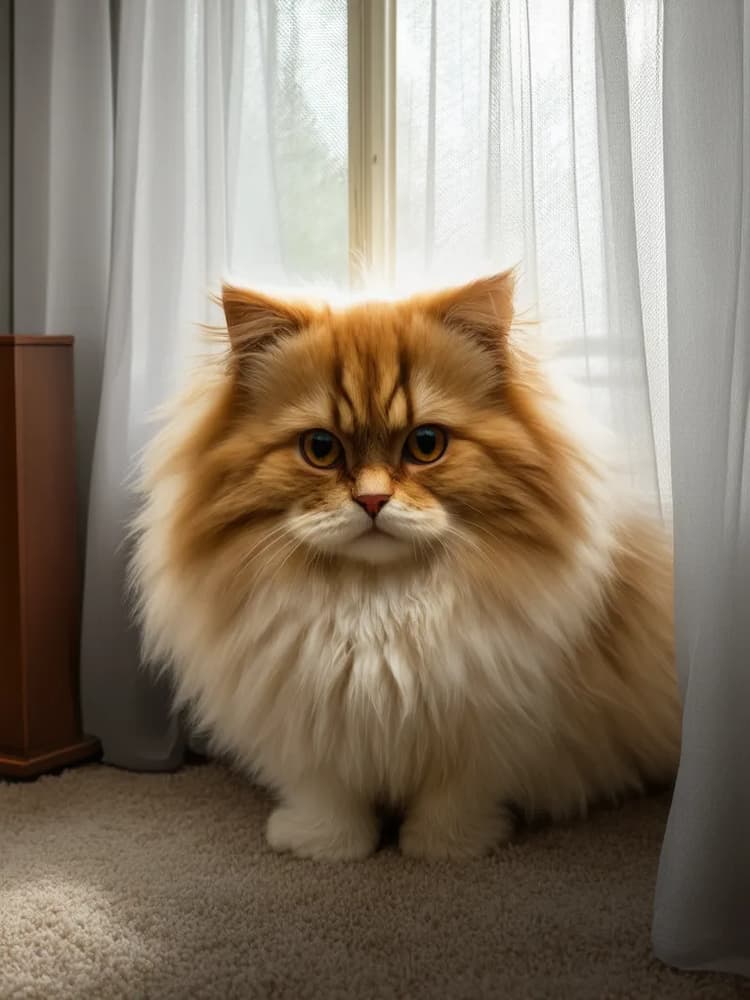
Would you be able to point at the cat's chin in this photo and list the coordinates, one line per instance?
(376, 548)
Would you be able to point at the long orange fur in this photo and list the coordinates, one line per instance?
(505, 641)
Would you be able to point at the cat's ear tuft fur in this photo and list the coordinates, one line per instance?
(482, 309)
(255, 320)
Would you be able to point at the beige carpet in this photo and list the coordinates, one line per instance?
(138, 886)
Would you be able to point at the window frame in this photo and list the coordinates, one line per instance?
(371, 34)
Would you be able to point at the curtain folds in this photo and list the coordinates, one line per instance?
(529, 133)
(702, 914)
(62, 190)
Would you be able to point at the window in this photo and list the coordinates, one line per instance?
(429, 141)
(482, 135)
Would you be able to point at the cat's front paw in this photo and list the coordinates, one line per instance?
(421, 837)
(324, 838)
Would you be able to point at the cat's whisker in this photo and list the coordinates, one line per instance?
(472, 544)
(283, 563)
(260, 543)
(260, 558)
(265, 544)
(259, 581)
(483, 529)
(276, 552)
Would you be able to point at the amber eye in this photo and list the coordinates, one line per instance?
(425, 444)
(321, 449)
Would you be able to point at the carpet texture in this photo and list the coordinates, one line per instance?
(137, 886)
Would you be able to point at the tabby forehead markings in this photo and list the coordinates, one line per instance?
(344, 415)
(398, 409)
(368, 395)
(341, 402)
(397, 413)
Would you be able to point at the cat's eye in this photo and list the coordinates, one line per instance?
(321, 449)
(425, 444)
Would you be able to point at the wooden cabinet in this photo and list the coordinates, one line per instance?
(39, 576)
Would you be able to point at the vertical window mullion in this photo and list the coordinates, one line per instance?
(372, 140)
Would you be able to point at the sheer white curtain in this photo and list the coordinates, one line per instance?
(62, 189)
(529, 132)
(702, 916)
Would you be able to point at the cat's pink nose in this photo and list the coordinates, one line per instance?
(373, 503)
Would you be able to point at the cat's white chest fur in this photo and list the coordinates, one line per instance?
(383, 686)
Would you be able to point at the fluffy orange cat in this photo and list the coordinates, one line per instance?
(386, 565)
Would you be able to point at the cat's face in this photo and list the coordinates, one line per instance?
(381, 434)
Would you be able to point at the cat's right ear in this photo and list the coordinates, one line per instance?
(483, 309)
(255, 320)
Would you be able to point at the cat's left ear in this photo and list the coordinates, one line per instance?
(255, 320)
(482, 309)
